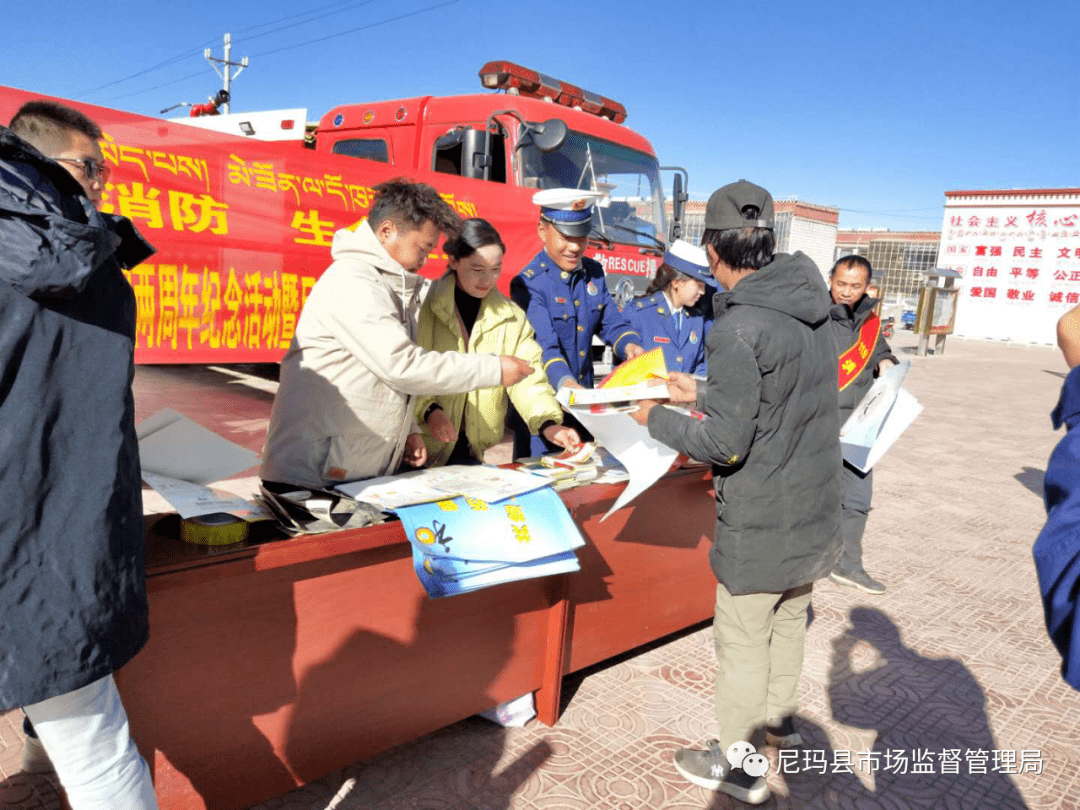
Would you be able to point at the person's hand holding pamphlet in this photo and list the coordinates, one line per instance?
(570, 458)
(886, 411)
(647, 389)
(644, 458)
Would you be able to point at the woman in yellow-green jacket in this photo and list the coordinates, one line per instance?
(465, 313)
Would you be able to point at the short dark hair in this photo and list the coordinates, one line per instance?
(47, 125)
(741, 248)
(408, 205)
(854, 260)
(473, 234)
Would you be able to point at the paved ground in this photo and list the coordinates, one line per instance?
(947, 684)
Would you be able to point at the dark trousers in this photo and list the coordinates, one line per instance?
(856, 490)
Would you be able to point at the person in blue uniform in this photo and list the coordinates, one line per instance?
(566, 298)
(1057, 548)
(668, 316)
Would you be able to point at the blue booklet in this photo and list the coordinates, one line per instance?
(467, 577)
(463, 544)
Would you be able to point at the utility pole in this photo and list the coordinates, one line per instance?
(243, 63)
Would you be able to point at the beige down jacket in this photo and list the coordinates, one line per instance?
(344, 406)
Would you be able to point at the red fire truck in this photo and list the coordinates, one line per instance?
(243, 225)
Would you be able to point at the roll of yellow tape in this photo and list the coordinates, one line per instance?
(218, 529)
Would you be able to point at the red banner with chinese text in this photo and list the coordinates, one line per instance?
(243, 228)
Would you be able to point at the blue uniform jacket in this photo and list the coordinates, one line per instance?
(684, 346)
(566, 310)
(1057, 549)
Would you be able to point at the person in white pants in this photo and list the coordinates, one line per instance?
(73, 604)
(85, 734)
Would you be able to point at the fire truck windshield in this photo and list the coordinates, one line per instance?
(635, 215)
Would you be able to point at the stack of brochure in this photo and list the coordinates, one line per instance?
(563, 477)
(477, 481)
(567, 469)
(609, 469)
(475, 526)
(464, 544)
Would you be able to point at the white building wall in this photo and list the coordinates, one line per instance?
(1019, 258)
(816, 239)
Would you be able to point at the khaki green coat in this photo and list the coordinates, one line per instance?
(501, 328)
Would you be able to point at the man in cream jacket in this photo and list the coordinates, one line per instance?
(343, 409)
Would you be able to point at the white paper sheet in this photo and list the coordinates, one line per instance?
(192, 500)
(155, 422)
(618, 393)
(483, 482)
(645, 459)
(390, 492)
(900, 417)
(863, 436)
(174, 446)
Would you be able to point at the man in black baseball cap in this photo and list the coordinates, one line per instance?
(772, 435)
(740, 205)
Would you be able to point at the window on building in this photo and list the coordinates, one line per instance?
(782, 231)
(900, 266)
(693, 227)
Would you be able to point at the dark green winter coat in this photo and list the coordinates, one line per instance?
(845, 323)
(772, 430)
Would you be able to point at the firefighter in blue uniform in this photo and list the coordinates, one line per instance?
(566, 298)
(671, 314)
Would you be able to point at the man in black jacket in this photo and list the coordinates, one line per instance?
(772, 434)
(864, 354)
(72, 543)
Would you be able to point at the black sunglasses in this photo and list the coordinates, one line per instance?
(93, 169)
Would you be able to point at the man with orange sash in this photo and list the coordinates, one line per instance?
(863, 355)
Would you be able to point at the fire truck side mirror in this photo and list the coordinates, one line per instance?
(546, 137)
(550, 135)
(465, 152)
(678, 199)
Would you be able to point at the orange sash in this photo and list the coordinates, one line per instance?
(854, 360)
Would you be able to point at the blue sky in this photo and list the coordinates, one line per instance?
(876, 108)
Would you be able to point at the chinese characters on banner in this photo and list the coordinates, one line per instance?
(183, 308)
(1019, 256)
(241, 242)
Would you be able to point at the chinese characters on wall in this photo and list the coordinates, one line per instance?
(1020, 264)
